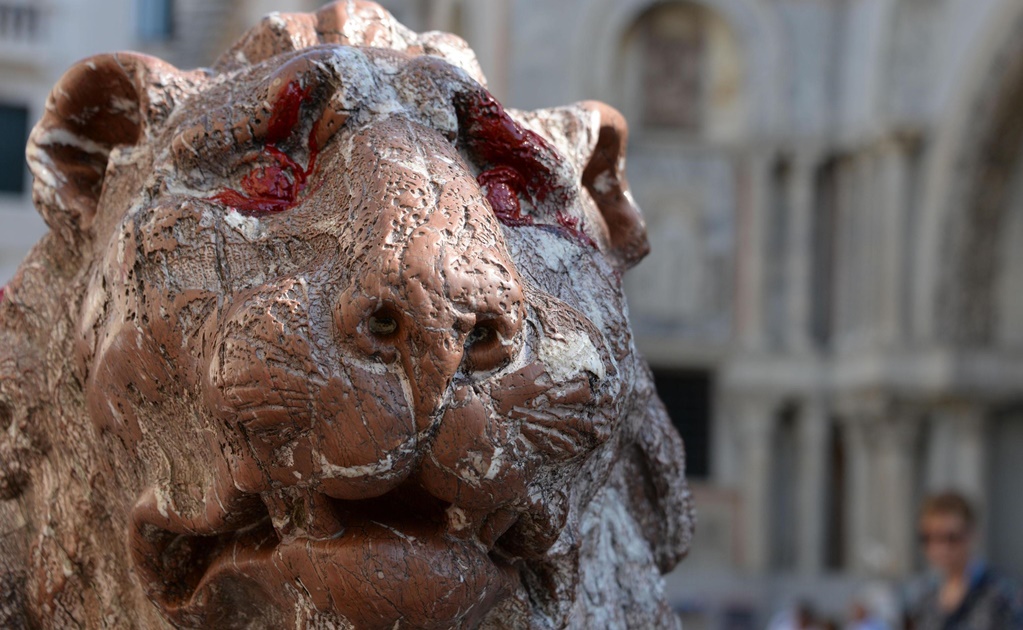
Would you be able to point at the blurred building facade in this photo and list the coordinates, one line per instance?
(834, 192)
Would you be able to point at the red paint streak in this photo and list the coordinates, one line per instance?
(571, 225)
(494, 137)
(286, 110)
(502, 185)
(520, 163)
(275, 188)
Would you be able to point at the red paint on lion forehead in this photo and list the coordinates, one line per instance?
(285, 115)
(519, 158)
(275, 188)
(494, 137)
(502, 186)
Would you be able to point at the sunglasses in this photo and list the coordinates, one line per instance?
(947, 538)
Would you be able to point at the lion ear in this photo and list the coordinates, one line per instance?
(101, 103)
(594, 136)
(604, 178)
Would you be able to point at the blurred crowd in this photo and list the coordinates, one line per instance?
(961, 590)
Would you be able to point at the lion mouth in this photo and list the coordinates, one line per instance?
(404, 556)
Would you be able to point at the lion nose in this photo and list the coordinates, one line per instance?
(456, 320)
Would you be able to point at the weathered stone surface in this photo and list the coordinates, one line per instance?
(325, 337)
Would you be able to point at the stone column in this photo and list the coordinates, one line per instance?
(754, 198)
(814, 432)
(872, 246)
(859, 532)
(894, 208)
(896, 488)
(799, 256)
(957, 451)
(755, 421)
(860, 298)
(882, 439)
(845, 248)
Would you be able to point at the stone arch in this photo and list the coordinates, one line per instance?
(680, 73)
(975, 152)
(606, 22)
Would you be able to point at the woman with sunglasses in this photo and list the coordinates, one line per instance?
(965, 594)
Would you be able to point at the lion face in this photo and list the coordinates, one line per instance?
(358, 330)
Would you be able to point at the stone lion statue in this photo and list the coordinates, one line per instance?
(323, 336)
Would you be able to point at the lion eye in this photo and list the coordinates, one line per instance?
(382, 325)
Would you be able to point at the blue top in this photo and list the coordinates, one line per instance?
(992, 602)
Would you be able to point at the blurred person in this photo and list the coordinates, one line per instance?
(799, 617)
(963, 592)
(862, 618)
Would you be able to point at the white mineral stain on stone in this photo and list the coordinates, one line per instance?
(379, 468)
(162, 502)
(495, 463)
(92, 308)
(276, 20)
(569, 355)
(42, 165)
(373, 367)
(406, 390)
(285, 455)
(114, 413)
(124, 106)
(396, 532)
(248, 226)
(121, 248)
(604, 182)
(457, 520)
(558, 255)
(64, 137)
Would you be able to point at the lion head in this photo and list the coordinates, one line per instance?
(325, 336)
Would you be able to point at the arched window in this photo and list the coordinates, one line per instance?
(680, 71)
(673, 59)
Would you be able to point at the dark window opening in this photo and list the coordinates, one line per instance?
(13, 135)
(687, 394)
(784, 484)
(824, 239)
(776, 268)
(155, 20)
(672, 73)
(835, 541)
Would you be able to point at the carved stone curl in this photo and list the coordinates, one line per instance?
(324, 337)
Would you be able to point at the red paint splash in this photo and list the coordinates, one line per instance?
(519, 166)
(494, 137)
(275, 188)
(502, 186)
(286, 110)
(571, 225)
